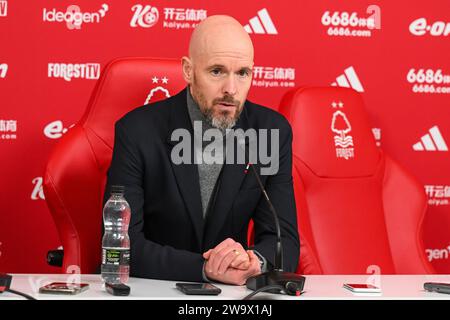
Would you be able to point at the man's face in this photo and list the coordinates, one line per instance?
(220, 84)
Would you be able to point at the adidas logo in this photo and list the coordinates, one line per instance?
(349, 80)
(432, 141)
(257, 23)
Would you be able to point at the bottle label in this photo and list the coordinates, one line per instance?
(115, 256)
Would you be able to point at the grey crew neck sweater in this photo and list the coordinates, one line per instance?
(208, 173)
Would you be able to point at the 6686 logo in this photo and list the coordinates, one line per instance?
(347, 24)
(428, 81)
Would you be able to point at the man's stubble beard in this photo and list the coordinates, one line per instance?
(222, 120)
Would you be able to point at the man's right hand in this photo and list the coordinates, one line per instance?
(233, 275)
(228, 253)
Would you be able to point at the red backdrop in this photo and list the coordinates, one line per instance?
(52, 52)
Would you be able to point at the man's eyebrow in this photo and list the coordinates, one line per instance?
(221, 66)
(216, 66)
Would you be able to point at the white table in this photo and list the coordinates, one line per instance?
(323, 287)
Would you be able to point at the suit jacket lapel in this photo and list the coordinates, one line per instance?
(186, 174)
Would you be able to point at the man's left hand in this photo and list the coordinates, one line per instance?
(226, 254)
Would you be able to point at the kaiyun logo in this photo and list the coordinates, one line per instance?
(38, 191)
(145, 17)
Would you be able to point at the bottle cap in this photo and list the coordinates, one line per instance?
(117, 189)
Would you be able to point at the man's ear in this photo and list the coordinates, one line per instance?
(187, 69)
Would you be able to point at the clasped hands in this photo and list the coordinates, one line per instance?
(230, 263)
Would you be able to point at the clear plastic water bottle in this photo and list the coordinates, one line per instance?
(116, 242)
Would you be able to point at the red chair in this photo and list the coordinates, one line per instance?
(75, 176)
(358, 209)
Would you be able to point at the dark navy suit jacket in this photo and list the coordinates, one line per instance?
(167, 231)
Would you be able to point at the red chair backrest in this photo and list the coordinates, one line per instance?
(358, 210)
(75, 175)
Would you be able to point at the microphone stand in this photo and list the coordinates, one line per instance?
(275, 280)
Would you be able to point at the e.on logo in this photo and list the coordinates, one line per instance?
(420, 27)
(55, 129)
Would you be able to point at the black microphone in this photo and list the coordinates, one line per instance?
(279, 248)
(275, 280)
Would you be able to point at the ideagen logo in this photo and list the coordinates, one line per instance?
(73, 17)
(145, 17)
(420, 27)
(438, 254)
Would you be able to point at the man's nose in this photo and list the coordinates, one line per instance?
(230, 87)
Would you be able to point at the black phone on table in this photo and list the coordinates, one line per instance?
(64, 288)
(198, 288)
(437, 287)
